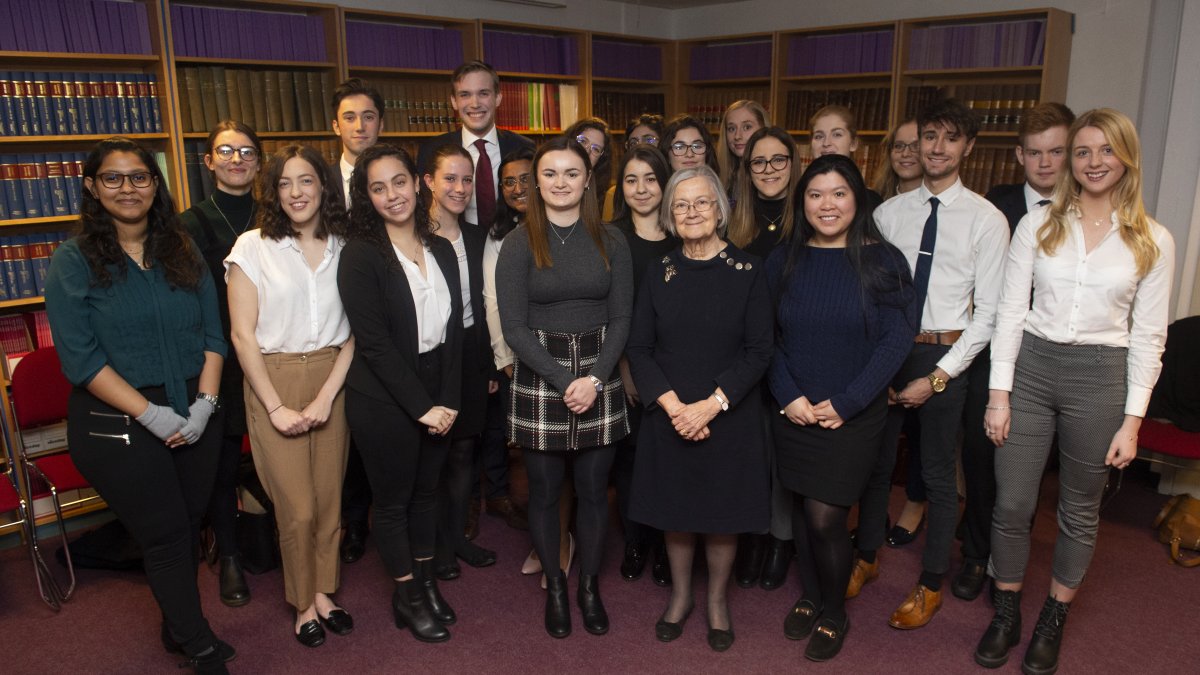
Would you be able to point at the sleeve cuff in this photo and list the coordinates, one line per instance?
(1137, 400)
(1002, 376)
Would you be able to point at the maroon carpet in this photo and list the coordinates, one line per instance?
(1133, 615)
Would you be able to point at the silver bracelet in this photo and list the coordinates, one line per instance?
(996, 407)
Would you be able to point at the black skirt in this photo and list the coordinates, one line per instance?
(538, 419)
(472, 414)
(830, 465)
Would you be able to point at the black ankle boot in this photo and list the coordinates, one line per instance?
(1004, 633)
(595, 619)
(661, 570)
(775, 568)
(208, 662)
(1042, 656)
(437, 604)
(558, 609)
(748, 564)
(234, 590)
(410, 610)
(224, 649)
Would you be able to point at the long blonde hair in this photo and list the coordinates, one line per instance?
(1133, 223)
(730, 163)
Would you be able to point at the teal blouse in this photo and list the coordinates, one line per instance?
(151, 333)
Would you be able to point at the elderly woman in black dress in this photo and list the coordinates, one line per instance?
(699, 344)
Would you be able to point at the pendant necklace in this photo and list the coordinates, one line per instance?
(226, 219)
(561, 239)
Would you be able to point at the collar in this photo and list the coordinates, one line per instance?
(469, 137)
(290, 242)
(945, 197)
(1032, 197)
(347, 168)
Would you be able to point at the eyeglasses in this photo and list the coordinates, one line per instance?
(777, 162)
(899, 147)
(113, 180)
(589, 146)
(648, 139)
(511, 183)
(248, 153)
(678, 148)
(702, 205)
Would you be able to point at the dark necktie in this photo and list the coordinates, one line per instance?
(485, 187)
(1043, 202)
(925, 258)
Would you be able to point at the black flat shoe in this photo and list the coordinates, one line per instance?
(475, 556)
(898, 536)
(354, 544)
(224, 649)
(667, 631)
(800, 621)
(634, 562)
(339, 621)
(827, 641)
(968, 583)
(720, 640)
(311, 634)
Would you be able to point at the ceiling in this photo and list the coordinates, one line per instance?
(679, 4)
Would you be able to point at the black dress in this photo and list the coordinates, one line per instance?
(768, 223)
(698, 325)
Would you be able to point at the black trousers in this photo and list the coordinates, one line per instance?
(403, 463)
(979, 465)
(160, 494)
(494, 453)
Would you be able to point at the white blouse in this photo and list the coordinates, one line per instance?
(1083, 298)
(464, 277)
(299, 309)
(431, 298)
(491, 253)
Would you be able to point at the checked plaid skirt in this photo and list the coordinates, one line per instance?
(537, 417)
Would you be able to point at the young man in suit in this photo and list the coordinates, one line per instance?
(1042, 150)
(357, 120)
(955, 242)
(475, 95)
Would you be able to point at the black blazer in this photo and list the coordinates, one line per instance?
(509, 142)
(474, 239)
(1010, 199)
(383, 319)
(338, 179)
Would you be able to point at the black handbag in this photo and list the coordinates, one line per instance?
(257, 537)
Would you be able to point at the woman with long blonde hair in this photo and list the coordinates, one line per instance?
(741, 119)
(1080, 360)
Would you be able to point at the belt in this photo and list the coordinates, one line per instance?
(948, 337)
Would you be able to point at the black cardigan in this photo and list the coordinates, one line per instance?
(383, 319)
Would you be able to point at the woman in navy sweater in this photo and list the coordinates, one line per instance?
(846, 320)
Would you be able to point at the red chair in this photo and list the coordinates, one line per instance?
(39, 398)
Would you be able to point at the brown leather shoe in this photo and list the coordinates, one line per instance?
(472, 529)
(863, 573)
(514, 516)
(917, 609)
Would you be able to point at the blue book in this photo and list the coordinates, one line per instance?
(4, 215)
(114, 122)
(42, 178)
(72, 168)
(152, 100)
(71, 104)
(8, 114)
(83, 104)
(39, 260)
(131, 109)
(22, 104)
(56, 179)
(27, 184)
(41, 103)
(10, 185)
(19, 257)
(58, 103)
(8, 268)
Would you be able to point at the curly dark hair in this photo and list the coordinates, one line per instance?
(685, 121)
(657, 163)
(272, 221)
(167, 242)
(506, 218)
(365, 222)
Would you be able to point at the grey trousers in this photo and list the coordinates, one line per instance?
(1078, 391)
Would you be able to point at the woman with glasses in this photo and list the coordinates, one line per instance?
(232, 154)
(133, 312)
(565, 295)
(449, 184)
(592, 133)
(687, 144)
(902, 172)
(700, 343)
(645, 129)
(741, 119)
(846, 317)
(293, 341)
(643, 174)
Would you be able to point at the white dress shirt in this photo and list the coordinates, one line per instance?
(493, 150)
(299, 309)
(1083, 298)
(347, 171)
(431, 299)
(968, 263)
(1032, 197)
(502, 354)
(464, 277)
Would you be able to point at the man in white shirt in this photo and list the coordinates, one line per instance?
(955, 242)
(475, 95)
(357, 120)
(1042, 151)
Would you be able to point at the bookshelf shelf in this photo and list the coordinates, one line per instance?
(324, 133)
(410, 134)
(508, 75)
(264, 63)
(23, 222)
(861, 132)
(56, 59)
(628, 81)
(730, 81)
(22, 302)
(367, 71)
(836, 77)
(976, 72)
(84, 138)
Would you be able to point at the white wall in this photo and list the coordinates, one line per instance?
(594, 15)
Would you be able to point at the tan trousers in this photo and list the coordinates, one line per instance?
(302, 474)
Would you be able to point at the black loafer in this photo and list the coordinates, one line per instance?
(827, 641)
(634, 562)
(667, 631)
(339, 621)
(801, 620)
(476, 556)
(311, 634)
(720, 640)
(898, 536)
(447, 571)
(968, 583)
(224, 649)
(660, 571)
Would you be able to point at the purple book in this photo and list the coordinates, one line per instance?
(56, 29)
(130, 40)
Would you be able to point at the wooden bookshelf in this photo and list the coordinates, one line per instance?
(543, 75)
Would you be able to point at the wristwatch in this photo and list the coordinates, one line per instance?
(597, 382)
(724, 402)
(214, 401)
(938, 384)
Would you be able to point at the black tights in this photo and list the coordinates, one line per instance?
(547, 471)
(454, 496)
(222, 506)
(823, 549)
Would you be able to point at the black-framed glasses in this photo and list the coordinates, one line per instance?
(645, 139)
(248, 153)
(702, 205)
(589, 146)
(113, 180)
(899, 147)
(511, 182)
(776, 162)
(678, 148)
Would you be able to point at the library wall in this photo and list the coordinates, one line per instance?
(600, 16)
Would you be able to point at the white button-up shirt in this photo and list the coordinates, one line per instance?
(431, 299)
(493, 150)
(347, 171)
(968, 263)
(299, 309)
(1084, 298)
